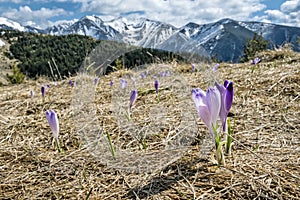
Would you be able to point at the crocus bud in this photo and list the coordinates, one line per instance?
(133, 97)
(53, 122)
(156, 86)
(255, 61)
(123, 83)
(96, 81)
(143, 75)
(72, 83)
(193, 67)
(215, 68)
(111, 83)
(43, 91)
(31, 93)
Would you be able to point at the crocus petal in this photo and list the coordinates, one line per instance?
(228, 97)
(133, 97)
(198, 97)
(52, 119)
(200, 100)
(223, 114)
(205, 116)
(226, 92)
(214, 103)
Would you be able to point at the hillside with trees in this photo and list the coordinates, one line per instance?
(62, 56)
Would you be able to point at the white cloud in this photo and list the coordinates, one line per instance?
(177, 13)
(12, 1)
(26, 16)
(289, 14)
(290, 6)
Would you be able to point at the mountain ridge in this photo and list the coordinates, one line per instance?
(223, 39)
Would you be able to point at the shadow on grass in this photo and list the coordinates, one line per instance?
(168, 177)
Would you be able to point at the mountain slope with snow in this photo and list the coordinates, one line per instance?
(224, 39)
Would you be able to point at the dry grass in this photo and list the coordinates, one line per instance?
(264, 165)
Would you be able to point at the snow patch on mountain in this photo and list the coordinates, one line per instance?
(12, 24)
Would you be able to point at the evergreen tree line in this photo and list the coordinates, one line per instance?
(36, 52)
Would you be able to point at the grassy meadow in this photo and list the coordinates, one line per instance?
(264, 163)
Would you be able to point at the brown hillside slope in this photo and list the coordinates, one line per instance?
(265, 162)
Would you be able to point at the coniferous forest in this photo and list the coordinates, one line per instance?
(37, 52)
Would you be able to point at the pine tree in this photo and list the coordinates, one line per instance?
(253, 46)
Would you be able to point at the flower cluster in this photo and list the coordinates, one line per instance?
(212, 105)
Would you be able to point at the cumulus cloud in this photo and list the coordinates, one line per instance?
(290, 6)
(175, 12)
(26, 16)
(288, 14)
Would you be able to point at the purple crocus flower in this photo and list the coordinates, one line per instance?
(31, 93)
(43, 90)
(255, 61)
(123, 83)
(133, 80)
(193, 67)
(133, 97)
(156, 85)
(53, 122)
(208, 106)
(72, 83)
(215, 68)
(226, 92)
(167, 73)
(96, 81)
(111, 83)
(143, 75)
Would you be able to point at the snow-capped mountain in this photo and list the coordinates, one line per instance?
(224, 39)
(142, 31)
(90, 26)
(8, 24)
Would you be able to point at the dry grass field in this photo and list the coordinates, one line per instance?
(265, 161)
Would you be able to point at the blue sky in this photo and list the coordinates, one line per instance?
(43, 13)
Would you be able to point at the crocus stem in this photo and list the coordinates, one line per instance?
(128, 115)
(112, 149)
(219, 154)
(219, 150)
(228, 138)
(58, 146)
